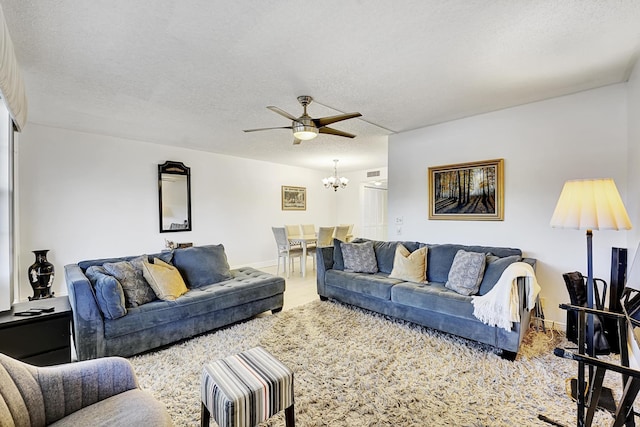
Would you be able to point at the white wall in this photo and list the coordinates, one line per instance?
(86, 196)
(544, 144)
(633, 178)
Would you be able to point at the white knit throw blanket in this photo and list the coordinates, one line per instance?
(499, 306)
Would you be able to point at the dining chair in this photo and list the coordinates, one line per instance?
(310, 230)
(325, 237)
(341, 232)
(349, 236)
(285, 251)
(293, 231)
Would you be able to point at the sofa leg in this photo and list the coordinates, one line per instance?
(205, 417)
(509, 355)
(276, 310)
(323, 298)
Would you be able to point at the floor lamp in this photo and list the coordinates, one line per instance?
(589, 204)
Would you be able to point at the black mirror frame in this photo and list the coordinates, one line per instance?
(175, 168)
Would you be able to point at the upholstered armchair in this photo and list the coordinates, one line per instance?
(93, 393)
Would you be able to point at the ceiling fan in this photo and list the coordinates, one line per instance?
(305, 127)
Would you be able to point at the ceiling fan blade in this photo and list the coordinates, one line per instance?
(336, 132)
(323, 121)
(281, 112)
(255, 130)
(296, 141)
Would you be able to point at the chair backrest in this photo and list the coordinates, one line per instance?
(282, 239)
(577, 289)
(21, 395)
(350, 230)
(293, 230)
(325, 236)
(308, 229)
(341, 232)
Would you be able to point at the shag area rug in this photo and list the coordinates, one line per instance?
(356, 368)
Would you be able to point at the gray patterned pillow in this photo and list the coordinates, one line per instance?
(466, 272)
(136, 289)
(359, 257)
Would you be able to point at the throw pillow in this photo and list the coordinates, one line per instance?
(108, 291)
(466, 272)
(359, 257)
(165, 279)
(202, 265)
(410, 266)
(136, 290)
(494, 269)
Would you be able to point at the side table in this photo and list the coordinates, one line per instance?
(40, 340)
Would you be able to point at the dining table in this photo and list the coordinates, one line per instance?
(304, 241)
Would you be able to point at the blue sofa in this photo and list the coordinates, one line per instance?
(217, 296)
(429, 304)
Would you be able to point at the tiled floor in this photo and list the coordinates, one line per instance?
(298, 290)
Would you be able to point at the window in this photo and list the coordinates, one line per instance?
(7, 254)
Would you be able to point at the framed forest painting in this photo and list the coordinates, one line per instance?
(294, 198)
(467, 191)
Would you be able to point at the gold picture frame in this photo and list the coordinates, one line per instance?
(471, 191)
(294, 198)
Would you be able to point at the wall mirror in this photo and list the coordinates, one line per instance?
(174, 186)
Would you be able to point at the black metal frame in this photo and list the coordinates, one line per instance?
(587, 398)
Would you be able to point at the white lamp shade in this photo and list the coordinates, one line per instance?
(592, 204)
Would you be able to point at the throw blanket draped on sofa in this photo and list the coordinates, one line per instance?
(500, 306)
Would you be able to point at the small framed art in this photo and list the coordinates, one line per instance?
(294, 198)
(471, 191)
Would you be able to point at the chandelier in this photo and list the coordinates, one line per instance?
(333, 181)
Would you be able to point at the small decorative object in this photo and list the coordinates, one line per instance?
(184, 245)
(41, 275)
(294, 198)
(467, 191)
(169, 244)
(334, 181)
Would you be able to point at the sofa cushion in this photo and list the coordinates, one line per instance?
(434, 297)
(130, 408)
(466, 272)
(359, 257)
(108, 291)
(494, 269)
(374, 285)
(410, 266)
(246, 286)
(338, 260)
(440, 258)
(202, 265)
(386, 252)
(164, 279)
(136, 289)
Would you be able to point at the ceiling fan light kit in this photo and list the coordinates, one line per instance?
(305, 127)
(334, 181)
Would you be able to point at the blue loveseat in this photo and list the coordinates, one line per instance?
(429, 304)
(104, 324)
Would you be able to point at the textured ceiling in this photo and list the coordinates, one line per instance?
(194, 73)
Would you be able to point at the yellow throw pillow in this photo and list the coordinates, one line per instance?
(165, 279)
(411, 267)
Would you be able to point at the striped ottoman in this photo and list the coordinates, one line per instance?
(246, 389)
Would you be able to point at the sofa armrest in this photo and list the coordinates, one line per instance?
(531, 261)
(70, 387)
(324, 261)
(88, 323)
